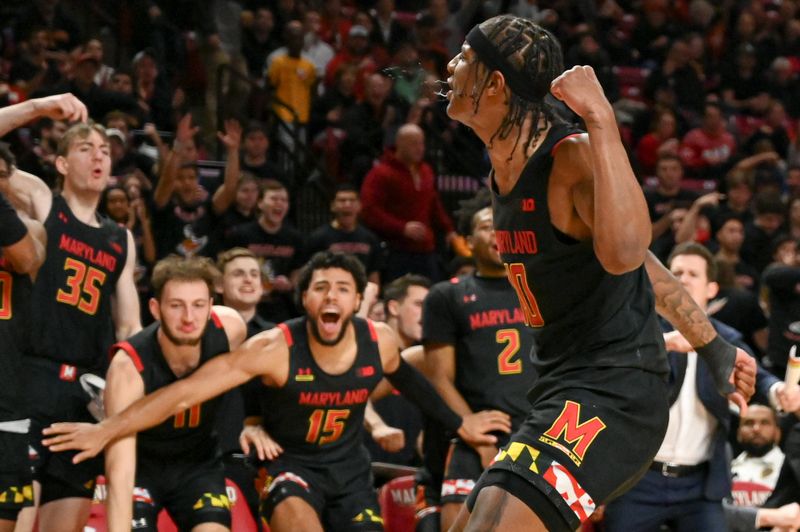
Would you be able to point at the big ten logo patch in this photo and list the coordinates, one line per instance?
(569, 429)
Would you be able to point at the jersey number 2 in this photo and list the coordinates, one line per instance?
(518, 278)
(326, 426)
(505, 366)
(83, 286)
(6, 282)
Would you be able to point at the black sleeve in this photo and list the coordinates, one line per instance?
(412, 384)
(12, 230)
(438, 323)
(781, 278)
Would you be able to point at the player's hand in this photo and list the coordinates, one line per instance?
(232, 137)
(61, 107)
(474, 427)
(743, 379)
(368, 299)
(675, 341)
(266, 448)
(579, 88)
(786, 518)
(89, 438)
(390, 439)
(788, 396)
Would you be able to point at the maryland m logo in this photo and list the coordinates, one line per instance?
(569, 428)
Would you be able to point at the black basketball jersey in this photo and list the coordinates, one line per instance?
(188, 435)
(318, 417)
(582, 315)
(15, 299)
(481, 317)
(71, 317)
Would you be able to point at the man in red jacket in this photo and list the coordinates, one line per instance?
(402, 206)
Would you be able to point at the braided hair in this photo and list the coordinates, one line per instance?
(536, 54)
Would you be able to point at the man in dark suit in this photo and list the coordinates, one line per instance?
(690, 475)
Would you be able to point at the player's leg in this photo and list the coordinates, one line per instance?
(294, 513)
(462, 470)
(68, 514)
(15, 478)
(26, 518)
(497, 509)
(293, 497)
(195, 496)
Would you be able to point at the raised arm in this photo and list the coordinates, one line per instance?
(124, 385)
(264, 355)
(226, 193)
(59, 107)
(441, 361)
(619, 218)
(166, 182)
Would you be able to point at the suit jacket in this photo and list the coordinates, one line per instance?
(718, 479)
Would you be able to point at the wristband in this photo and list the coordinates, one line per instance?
(721, 358)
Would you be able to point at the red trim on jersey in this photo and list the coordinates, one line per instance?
(557, 144)
(286, 334)
(217, 321)
(131, 352)
(372, 332)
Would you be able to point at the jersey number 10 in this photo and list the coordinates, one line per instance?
(6, 282)
(518, 278)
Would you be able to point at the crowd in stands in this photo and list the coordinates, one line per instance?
(268, 103)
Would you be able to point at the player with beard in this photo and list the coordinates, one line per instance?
(317, 372)
(175, 465)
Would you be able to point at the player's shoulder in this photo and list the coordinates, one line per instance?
(232, 323)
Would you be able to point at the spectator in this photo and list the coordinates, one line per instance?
(667, 204)
(784, 308)
(255, 155)
(755, 470)
(743, 88)
(758, 234)
(292, 78)
(370, 127)
(345, 235)
(121, 81)
(94, 47)
(40, 159)
(258, 40)
(245, 204)
(241, 288)
(692, 464)
(740, 308)
(794, 217)
(314, 47)
(662, 139)
(677, 73)
(185, 215)
(279, 245)
(433, 53)
(707, 151)
(402, 206)
(389, 31)
(403, 300)
(150, 89)
(654, 32)
(328, 109)
(773, 129)
(730, 237)
(783, 85)
(36, 67)
(356, 52)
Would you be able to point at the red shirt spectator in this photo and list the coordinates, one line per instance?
(707, 151)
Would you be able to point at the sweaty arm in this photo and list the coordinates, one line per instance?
(677, 307)
(124, 386)
(125, 304)
(607, 198)
(265, 355)
(59, 107)
(411, 383)
(441, 362)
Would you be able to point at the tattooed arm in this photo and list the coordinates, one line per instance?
(728, 364)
